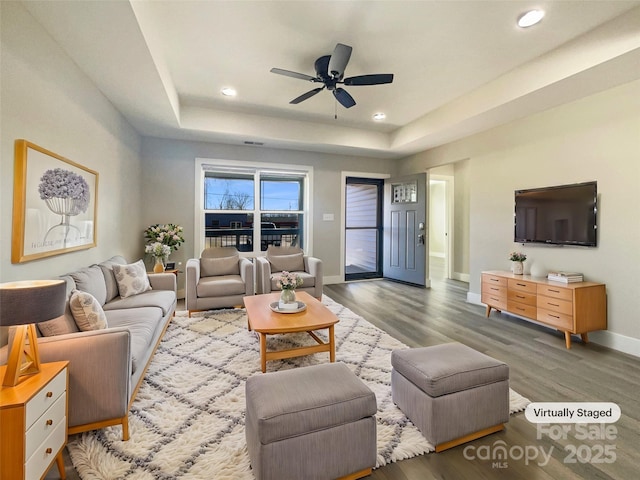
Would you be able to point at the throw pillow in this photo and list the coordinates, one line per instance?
(132, 279)
(211, 267)
(87, 312)
(287, 263)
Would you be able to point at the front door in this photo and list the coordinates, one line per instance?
(405, 234)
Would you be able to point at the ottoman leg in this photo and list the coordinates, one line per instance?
(356, 475)
(467, 438)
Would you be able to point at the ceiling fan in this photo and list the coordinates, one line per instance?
(330, 72)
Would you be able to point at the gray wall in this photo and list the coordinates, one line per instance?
(45, 99)
(168, 187)
(596, 138)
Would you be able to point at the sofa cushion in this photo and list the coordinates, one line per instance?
(64, 323)
(91, 280)
(308, 280)
(110, 277)
(142, 324)
(132, 278)
(286, 263)
(221, 286)
(210, 267)
(164, 299)
(87, 312)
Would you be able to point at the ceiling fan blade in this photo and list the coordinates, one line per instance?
(344, 98)
(376, 79)
(288, 73)
(339, 59)
(305, 96)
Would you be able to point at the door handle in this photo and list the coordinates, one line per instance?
(421, 239)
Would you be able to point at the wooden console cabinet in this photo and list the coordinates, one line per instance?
(574, 308)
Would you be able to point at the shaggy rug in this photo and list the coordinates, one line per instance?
(187, 421)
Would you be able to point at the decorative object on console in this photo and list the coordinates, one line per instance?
(60, 198)
(517, 265)
(565, 277)
(288, 282)
(22, 304)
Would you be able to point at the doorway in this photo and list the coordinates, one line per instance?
(363, 228)
(440, 221)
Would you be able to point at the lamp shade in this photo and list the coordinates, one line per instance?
(31, 301)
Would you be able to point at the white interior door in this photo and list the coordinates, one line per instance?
(405, 229)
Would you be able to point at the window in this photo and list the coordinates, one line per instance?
(233, 200)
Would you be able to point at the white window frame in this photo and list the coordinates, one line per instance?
(203, 165)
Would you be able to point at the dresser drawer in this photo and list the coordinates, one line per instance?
(47, 423)
(555, 292)
(555, 305)
(493, 280)
(521, 297)
(46, 452)
(555, 319)
(522, 286)
(495, 301)
(45, 397)
(521, 309)
(497, 290)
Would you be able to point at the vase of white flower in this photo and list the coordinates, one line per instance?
(517, 262)
(158, 266)
(288, 282)
(160, 252)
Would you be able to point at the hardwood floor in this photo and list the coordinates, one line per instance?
(541, 369)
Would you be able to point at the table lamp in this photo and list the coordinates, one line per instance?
(22, 305)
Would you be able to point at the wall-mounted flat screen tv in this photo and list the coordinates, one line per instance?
(559, 215)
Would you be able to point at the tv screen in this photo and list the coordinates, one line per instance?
(559, 215)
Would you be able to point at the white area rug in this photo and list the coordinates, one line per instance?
(187, 421)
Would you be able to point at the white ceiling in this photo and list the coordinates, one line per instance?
(460, 66)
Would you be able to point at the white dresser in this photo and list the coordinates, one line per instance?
(33, 416)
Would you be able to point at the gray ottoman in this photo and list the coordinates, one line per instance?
(452, 393)
(310, 423)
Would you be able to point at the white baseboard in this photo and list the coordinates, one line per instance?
(605, 338)
(330, 280)
(463, 277)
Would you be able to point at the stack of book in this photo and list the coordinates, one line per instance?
(565, 277)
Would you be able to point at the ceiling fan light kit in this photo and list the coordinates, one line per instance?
(330, 72)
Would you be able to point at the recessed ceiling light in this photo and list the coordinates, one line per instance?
(229, 92)
(379, 116)
(530, 18)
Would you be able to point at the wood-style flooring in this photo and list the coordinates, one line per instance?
(541, 369)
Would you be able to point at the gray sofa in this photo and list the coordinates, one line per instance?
(106, 367)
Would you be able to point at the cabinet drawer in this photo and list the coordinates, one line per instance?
(45, 398)
(555, 319)
(521, 297)
(521, 309)
(46, 452)
(47, 423)
(494, 280)
(495, 301)
(555, 305)
(522, 285)
(555, 292)
(496, 290)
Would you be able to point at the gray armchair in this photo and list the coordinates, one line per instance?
(290, 259)
(220, 278)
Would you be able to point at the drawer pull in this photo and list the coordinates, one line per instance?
(520, 296)
(48, 451)
(553, 304)
(49, 394)
(554, 316)
(493, 279)
(520, 308)
(554, 291)
(495, 289)
(49, 422)
(521, 284)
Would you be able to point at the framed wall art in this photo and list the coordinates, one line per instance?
(54, 204)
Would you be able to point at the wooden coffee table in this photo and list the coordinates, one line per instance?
(265, 322)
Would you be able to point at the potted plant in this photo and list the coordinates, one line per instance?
(517, 262)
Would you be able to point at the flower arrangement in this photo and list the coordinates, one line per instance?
(158, 250)
(60, 183)
(289, 281)
(517, 257)
(168, 234)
